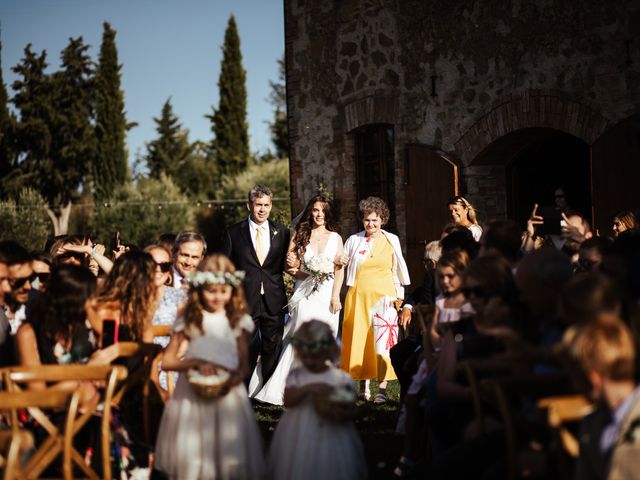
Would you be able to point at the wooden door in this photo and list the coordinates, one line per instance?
(615, 171)
(431, 180)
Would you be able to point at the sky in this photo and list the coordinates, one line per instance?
(167, 48)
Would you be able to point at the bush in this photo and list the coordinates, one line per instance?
(143, 211)
(25, 220)
(212, 222)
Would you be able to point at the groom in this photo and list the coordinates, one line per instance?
(259, 247)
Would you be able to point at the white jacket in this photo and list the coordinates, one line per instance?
(356, 242)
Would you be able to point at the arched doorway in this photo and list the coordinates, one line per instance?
(536, 162)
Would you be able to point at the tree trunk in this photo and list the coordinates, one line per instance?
(60, 222)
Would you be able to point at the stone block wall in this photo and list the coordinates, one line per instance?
(456, 76)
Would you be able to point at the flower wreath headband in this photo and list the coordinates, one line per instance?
(197, 279)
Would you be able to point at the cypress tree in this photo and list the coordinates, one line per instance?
(110, 166)
(279, 128)
(7, 123)
(229, 121)
(167, 153)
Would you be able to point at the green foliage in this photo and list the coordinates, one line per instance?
(229, 121)
(7, 127)
(274, 175)
(171, 148)
(25, 220)
(55, 134)
(132, 212)
(110, 167)
(279, 128)
(213, 221)
(191, 166)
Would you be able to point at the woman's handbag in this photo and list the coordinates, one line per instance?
(384, 320)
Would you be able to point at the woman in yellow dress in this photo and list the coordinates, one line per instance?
(376, 274)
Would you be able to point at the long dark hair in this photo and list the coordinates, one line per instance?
(130, 283)
(305, 225)
(57, 312)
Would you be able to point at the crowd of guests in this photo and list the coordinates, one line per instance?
(550, 311)
(554, 308)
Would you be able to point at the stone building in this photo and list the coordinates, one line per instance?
(501, 101)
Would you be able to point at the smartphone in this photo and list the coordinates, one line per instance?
(552, 221)
(109, 332)
(116, 241)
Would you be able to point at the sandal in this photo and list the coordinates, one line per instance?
(380, 398)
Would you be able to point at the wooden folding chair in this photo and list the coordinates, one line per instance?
(142, 355)
(562, 410)
(21, 440)
(16, 377)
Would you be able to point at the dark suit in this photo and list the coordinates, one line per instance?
(267, 310)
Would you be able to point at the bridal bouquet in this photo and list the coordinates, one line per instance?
(319, 268)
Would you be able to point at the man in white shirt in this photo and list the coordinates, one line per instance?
(188, 251)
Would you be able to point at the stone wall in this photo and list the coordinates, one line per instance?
(452, 75)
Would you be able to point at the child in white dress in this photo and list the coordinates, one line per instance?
(305, 444)
(210, 438)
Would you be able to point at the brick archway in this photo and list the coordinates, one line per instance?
(531, 109)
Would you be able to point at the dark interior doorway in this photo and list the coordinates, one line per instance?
(551, 159)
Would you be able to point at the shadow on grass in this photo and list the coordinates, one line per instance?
(376, 424)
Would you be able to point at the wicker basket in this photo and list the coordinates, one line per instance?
(334, 411)
(207, 387)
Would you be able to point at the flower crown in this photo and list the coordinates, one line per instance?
(234, 279)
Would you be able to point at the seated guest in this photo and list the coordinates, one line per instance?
(56, 331)
(18, 262)
(610, 437)
(502, 237)
(591, 253)
(129, 296)
(188, 251)
(6, 341)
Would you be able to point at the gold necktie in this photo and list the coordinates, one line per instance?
(260, 250)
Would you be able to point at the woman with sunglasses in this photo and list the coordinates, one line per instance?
(170, 299)
(463, 213)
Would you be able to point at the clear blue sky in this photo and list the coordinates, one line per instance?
(167, 48)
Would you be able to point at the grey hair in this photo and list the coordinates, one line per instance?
(184, 237)
(259, 191)
(433, 251)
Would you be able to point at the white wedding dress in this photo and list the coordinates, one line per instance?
(313, 307)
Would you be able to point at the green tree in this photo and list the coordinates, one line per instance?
(229, 120)
(7, 127)
(110, 166)
(278, 98)
(55, 132)
(25, 220)
(171, 149)
(142, 212)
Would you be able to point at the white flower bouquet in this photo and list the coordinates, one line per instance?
(319, 268)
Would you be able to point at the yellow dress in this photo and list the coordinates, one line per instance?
(374, 280)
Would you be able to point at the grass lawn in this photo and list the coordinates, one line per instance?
(376, 424)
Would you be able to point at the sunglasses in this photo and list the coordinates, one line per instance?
(69, 255)
(165, 267)
(478, 291)
(43, 276)
(19, 282)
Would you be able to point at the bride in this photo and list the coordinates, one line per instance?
(315, 243)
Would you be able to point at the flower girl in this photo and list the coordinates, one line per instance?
(315, 438)
(208, 429)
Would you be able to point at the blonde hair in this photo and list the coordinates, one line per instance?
(235, 308)
(606, 347)
(463, 202)
(316, 338)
